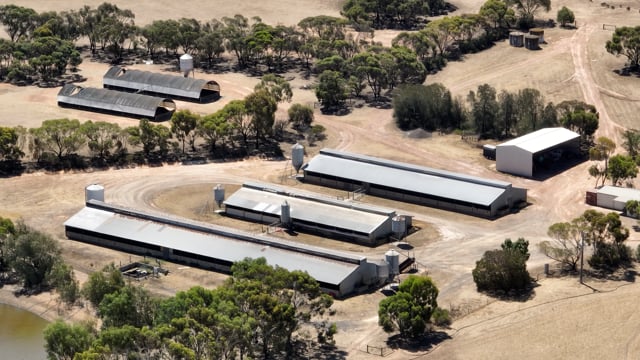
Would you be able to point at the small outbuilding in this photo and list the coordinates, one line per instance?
(116, 102)
(151, 83)
(612, 197)
(526, 154)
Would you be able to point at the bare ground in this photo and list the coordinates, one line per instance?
(561, 320)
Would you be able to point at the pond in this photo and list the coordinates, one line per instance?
(21, 334)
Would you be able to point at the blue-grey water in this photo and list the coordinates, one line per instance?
(21, 334)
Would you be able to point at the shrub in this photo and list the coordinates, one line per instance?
(441, 317)
(503, 270)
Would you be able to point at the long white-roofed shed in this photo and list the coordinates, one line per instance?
(215, 247)
(520, 156)
(309, 212)
(412, 183)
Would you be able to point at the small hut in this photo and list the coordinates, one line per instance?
(516, 39)
(531, 42)
(539, 33)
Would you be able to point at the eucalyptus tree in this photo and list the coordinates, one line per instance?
(331, 90)
(484, 107)
(10, 144)
(625, 41)
(18, 21)
(214, 128)
(261, 105)
(60, 136)
(210, 44)
(183, 126)
(236, 31)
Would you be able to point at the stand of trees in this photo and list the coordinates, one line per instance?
(237, 129)
(603, 232)
(256, 314)
(618, 168)
(34, 260)
(488, 113)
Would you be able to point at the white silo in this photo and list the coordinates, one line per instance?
(94, 192)
(393, 259)
(285, 214)
(186, 64)
(218, 194)
(399, 226)
(297, 156)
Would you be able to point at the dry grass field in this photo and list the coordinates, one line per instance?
(561, 320)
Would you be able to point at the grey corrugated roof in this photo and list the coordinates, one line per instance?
(542, 139)
(408, 177)
(212, 245)
(307, 210)
(142, 105)
(620, 192)
(171, 85)
(319, 198)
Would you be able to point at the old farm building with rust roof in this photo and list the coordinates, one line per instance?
(151, 83)
(116, 102)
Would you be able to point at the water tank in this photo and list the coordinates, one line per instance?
(539, 33)
(516, 39)
(218, 194)
(531, 42)
(297, 156)
(94, 192)
(393, 259)
(285, 214)
(186, 64)
(399, 226)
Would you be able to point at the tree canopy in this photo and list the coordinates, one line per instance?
(625, 41)
(504, 269)
(409, 310)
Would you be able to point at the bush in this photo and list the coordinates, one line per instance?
(441, 317)
(610, 256)
(501, 270)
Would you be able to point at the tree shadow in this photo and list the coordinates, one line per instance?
(520, 295)
(323, 352)
(422, 343)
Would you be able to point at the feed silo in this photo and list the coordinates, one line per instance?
(186, 64)
(94, 192)
(399, 226)
(516, 39)
(285, 215)
(218, 194)
(392, 258)
(531, 42)
(297, 156)
(539, 33)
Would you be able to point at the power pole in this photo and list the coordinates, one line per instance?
(581, 255)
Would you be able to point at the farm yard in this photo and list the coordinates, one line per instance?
(562, 319)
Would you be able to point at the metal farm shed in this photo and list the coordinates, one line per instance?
(411, 183)
(215, 247)
(520, 156)
(612, 197)
(173, 86)
(359, 223)
(115, 102)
